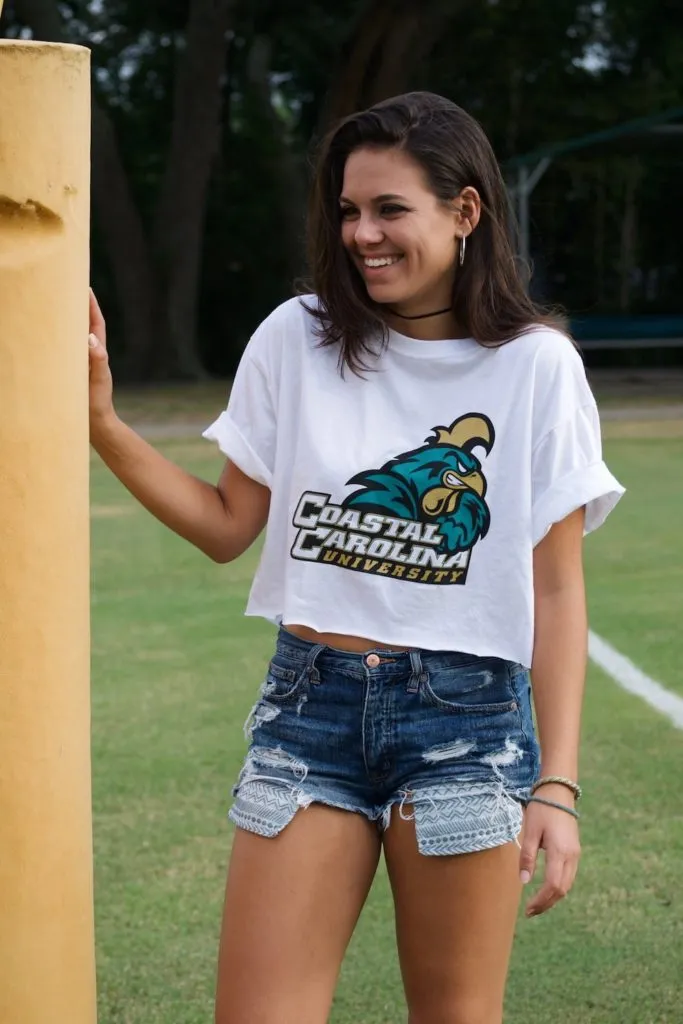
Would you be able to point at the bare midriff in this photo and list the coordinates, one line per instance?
(343, 642)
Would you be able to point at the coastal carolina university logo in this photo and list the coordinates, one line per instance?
(416, 518)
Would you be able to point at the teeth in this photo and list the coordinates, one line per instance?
(380, 261)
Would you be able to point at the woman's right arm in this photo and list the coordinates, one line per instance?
(222, 521)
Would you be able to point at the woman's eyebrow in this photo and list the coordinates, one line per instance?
(385, 197)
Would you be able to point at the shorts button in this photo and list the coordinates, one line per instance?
(372, 661)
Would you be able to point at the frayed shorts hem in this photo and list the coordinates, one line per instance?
(489, 817)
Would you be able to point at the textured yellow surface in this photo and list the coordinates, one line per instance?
(46, 907)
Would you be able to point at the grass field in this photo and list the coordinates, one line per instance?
(175, 671)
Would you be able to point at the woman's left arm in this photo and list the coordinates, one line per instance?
(557, 678)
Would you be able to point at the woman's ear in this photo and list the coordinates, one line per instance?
(468, 211)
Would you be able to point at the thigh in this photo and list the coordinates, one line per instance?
(291, 905)
(455, 922)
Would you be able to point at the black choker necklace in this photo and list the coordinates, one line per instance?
(421, 316)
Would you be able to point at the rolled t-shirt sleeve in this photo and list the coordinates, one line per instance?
(568, 470)
(246, 430)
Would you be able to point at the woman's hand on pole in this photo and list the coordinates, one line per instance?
(101, 384)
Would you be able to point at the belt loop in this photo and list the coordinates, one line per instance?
(311, 668)
(417, 675)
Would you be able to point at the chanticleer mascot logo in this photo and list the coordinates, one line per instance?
(440, 483)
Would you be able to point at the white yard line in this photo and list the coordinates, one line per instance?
(631, 678)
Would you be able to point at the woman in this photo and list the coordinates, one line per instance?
(420, 441)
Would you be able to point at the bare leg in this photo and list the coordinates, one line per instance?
(291, 905)
(455, 921)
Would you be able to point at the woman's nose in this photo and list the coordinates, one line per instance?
(368, 232)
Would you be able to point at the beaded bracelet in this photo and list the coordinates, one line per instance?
(559, 780)
(552, 803)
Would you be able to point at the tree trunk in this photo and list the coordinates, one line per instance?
(388, 42)
(127, 248)
(347, 90)
(181, 209)
(157, 284)
(115, 209)
(411, 37)
(289, 175)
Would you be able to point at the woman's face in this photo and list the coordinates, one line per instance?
(403, 241)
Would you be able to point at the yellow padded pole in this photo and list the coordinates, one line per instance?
(47, 971)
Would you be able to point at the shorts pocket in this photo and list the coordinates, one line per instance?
(283, 682)
(482, 688)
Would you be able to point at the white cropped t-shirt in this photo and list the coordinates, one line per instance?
(406, 504)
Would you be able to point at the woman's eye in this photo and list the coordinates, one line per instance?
(347, 212)
(390, 210)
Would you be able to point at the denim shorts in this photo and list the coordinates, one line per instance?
(448, 737)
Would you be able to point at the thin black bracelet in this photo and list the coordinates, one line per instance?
(552, 803)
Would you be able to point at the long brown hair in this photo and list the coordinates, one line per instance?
(490, 297)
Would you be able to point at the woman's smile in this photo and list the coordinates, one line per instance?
(378, 266)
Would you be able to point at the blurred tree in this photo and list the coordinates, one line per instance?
(205, 111)
(388, 42)
(155, 264)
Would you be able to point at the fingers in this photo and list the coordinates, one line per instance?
(97, 324)
(571, 866)
(554, 886)
(98, 353)
(561, 865)
(557, 835)
(528, 856)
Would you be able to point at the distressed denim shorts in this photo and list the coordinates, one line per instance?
(446, 736)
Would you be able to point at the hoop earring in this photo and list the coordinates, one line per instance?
(463, 240)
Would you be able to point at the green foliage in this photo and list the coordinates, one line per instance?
(605, 225)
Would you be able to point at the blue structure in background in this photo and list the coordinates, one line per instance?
(523, 174)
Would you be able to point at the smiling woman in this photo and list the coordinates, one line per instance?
(424, 517)
(414, 191)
